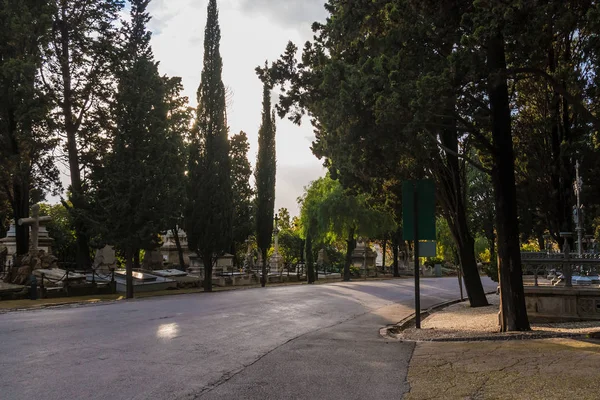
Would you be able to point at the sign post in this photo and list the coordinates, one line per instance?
(418, 212)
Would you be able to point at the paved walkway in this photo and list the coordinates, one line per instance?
(516, 369)
(302, 341)
(294, 342)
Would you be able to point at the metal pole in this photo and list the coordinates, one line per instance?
(416, 253)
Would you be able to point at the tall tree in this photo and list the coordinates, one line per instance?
(266, 165)
(285, 220)
(179, 122)
(139, 192)
(25, 140)
(241, 172)
(77, 74)
(385, 69)
(209, 210)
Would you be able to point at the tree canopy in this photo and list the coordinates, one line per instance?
(209, 209)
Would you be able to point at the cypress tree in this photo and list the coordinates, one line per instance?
(265, 180)
(137, 184)
(209, 212)
(242, 191)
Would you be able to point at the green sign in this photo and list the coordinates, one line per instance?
(426, 209)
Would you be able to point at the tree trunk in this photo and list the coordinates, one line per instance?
(20, 206)
(175, 232)
(395, 269)
(263, 278)
(492, 244)
(310, 266)
(383, 253)
(129, 272)
(465, 245)
(350, 245)
(208, 268)
(466, 254)
(512, 296)
(84, 260)
(452, 192)
(396, 248)
(136, 259)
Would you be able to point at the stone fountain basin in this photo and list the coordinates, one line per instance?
(561, 304)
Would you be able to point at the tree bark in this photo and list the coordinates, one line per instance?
(129, 272)
(452, 192)
(175, 233)
(20, 206)
(263, 278)
(396, 248)
(512, 296)
(384, 248)
(208, 268)
(310, 266)
(492, 244)
(350, 245)
(466, 254)
(136, 259)
(84, 260)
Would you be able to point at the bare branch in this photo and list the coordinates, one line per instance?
(475, 164)
(577, 103)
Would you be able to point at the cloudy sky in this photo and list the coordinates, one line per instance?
(252, 31)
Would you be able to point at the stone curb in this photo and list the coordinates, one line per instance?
(389, 331)
(516, 336)
(58, 305)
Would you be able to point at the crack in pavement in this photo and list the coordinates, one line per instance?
(229, 375)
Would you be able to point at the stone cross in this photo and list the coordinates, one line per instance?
(34, 221)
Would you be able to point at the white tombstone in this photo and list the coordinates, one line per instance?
(105, 259)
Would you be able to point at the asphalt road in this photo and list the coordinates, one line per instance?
(294, 342)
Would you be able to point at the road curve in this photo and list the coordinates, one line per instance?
(308, 341)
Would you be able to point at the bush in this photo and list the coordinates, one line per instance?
(491, 270)
(431, 262)
(354, 270)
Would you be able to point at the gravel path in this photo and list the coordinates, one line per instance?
(460, 321)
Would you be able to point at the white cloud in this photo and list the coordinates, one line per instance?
(252, 31)
(297, 13)
(249, 36)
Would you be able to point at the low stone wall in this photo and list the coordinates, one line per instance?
(553, 304)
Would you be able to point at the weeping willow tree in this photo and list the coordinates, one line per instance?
(329, 213)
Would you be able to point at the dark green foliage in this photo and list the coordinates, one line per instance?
(5, 214)
(266, 165)
(242, 192)
(78, 75)
(140, 191)
(382, 107)
(285, 221)
(60, 228)
(25, 137)
(309, 256)
(209, 210)
(290, 238)
(330, 213)
(290, 246)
